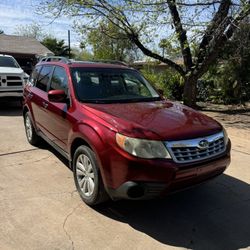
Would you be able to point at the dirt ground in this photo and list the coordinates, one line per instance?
(40, 208)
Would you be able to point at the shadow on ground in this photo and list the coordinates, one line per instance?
(215, 215)
(11, 106)
(46, 146)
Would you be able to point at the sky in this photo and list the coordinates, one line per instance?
(14, 13)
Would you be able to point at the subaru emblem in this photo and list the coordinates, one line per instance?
(203, 144)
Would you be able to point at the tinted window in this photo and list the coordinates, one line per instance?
(34, 75)
(8, 62)
(59, 79)
(43, 78)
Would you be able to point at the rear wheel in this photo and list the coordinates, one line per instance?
(87, 176)
(31, 134)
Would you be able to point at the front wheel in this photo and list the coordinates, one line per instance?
(87, 176)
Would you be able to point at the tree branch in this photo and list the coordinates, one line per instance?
(179, 3)
(220, 41)
(182, 36)
(134, 38)
(220, 15)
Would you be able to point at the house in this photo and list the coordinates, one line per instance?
(25, 50)
(154, 65)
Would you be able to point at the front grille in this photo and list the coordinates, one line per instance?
(13, 78)
(11, 81)
(14, 84)
(194, 153)
(192, 150)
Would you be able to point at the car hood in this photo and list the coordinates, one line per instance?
(161, 120)
(10, 70)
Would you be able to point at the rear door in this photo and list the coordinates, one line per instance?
(39, 99)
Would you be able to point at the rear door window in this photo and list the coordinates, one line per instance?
(44, 77)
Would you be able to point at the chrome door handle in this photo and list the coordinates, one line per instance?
(45, 104)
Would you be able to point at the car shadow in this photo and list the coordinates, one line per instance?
(215, 215)
(11, 106)
(46, 146)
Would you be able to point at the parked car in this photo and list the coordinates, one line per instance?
(12, 77)
(122, 139)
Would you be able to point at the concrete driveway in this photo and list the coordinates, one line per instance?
(40, 208)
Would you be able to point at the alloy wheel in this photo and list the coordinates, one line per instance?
(28, 126)
(85, 175)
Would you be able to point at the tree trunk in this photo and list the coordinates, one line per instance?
(190, 92)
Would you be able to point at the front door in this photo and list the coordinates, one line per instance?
(59, 113)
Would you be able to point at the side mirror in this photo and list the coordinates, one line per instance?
(57, 95)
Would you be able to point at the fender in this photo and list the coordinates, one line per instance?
(87, 133)
(95, 138)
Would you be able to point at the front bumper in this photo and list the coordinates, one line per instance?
(11, 88)
(11, 91)
(147, 179)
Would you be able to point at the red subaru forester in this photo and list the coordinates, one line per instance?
(122, 139)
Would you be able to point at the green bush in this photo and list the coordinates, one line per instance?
(231, 83)
(170, 82)
(231, 73)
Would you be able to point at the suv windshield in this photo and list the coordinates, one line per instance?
(111, 85)
(8, 62)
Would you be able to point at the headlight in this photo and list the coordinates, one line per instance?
(225, 136)
(142, 148)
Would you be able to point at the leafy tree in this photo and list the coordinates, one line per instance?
(1, 32)
(231, 74)
(33, 30)
(109, 42)
(210, 22)
(82, 45)
(56, 46)
(169, 48)
(84, 55)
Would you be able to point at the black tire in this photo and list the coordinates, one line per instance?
(93, 195)
(31, 134)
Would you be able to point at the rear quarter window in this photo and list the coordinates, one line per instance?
(34, 75)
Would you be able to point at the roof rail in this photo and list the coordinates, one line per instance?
(54, 59)
(100, 61)
(70, 61)
(109, 61)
